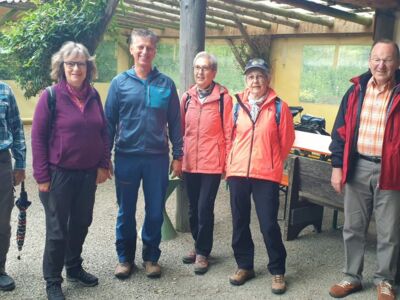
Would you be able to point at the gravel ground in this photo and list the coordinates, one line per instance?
(314, 260)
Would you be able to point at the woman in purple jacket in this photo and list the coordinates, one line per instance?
(70, 157)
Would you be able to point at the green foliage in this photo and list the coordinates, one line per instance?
(106, 61)
(326, 72)
(229, 72)
(33, 39)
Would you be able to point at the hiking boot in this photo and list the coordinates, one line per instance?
(344, 288)
(83, 277)
(241, 276)
(54, 291)
(278, 284)
(152, 269)
(201, 265)
(190, 258)
(385, 291)
(6, 282)
(123, 270)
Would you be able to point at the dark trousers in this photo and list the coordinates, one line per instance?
(266, 199)
(6, 205)
(69, 211)
(130, 171)
(202, 190)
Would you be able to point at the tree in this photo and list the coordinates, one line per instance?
(32, 40)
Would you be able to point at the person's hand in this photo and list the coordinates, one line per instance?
(336, 179)
(19, 176)
(176, 168)
(111, 168)
(44, 187)
(102, 175)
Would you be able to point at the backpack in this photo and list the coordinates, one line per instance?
(221, 106)
(51, 103)
(236, 107)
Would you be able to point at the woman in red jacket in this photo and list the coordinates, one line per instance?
(263, 135)
(206, 110)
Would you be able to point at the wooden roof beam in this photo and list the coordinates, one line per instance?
(166, 16)
(244, 12)
(148, 8)
(281, 12)
(329, 11)
(130, 25)
(151, 20)
(7, 16)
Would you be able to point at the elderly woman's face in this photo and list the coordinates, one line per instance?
(75, 68)
(257, 82)
(203, 72)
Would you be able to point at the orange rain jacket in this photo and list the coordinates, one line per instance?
(206, 142)
(260, 148)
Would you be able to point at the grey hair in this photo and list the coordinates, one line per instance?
(389, 42)
(67, 49)
(209, 56)
(144, 33)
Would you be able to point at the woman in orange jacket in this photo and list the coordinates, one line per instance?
(206, 110)
(262, 137)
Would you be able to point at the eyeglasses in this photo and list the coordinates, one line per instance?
(202, 68)
(72, 64)
(377, 61)
(256, 78)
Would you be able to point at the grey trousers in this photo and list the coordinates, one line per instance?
(362, 197)
(6, 205)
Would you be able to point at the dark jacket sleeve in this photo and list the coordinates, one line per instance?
(339, 132)
(174, 124)
(104, 163)
(112, 112)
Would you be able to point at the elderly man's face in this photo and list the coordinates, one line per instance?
(204, 74)
(143, 51)
(257, 82)
(383, 62)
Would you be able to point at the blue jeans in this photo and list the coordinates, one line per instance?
(130, 170)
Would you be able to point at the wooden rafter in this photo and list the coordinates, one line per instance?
(281, 12)
(148, 19)
(329, 11)
(7, 17)
(236, 53)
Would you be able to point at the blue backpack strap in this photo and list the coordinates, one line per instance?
(221, 109)
(278, 108)
(236, 109)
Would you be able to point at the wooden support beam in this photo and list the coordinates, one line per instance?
(245, 35)
(153, 9)
(168, 16)
(384, 24)
(150, 20)
(130, 24)
(236, 53)
(243, 13)
(281, 12)
(329, 11)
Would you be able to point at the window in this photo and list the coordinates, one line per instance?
(327, 70)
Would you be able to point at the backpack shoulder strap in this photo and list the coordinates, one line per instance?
(236, 109)
(221, 109)
(187, 101)
(51, 103)
(278, 106)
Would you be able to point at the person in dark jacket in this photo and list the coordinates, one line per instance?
(366, 165)
(71, 156)
(142, 110)
(12, 141)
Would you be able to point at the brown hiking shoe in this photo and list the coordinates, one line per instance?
(201, 265)
(123, 270)
(152, 269)
(241, 276)
(385, 291)
(278, 284)
(190, 258)
(344, 288)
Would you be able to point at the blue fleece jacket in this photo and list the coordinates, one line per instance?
(141, 114)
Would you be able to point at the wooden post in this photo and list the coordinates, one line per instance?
(384, 24)
(192, 41)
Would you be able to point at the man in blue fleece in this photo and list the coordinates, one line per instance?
(142, 110)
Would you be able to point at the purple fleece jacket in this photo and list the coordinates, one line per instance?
(77, 141)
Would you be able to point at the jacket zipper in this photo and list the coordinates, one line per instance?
(197, 140)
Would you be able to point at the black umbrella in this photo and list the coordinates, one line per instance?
(22, 203)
